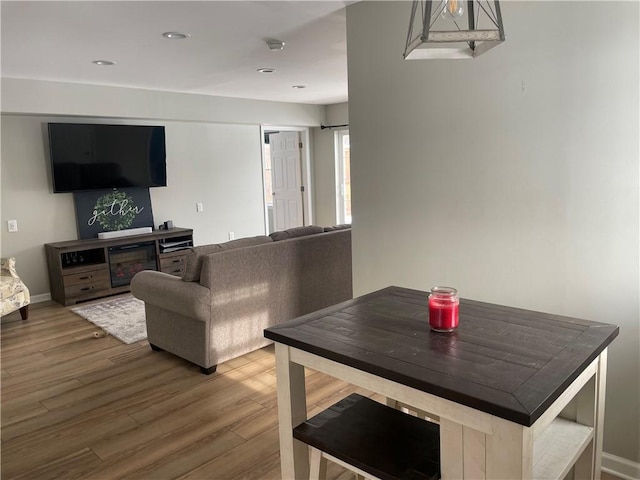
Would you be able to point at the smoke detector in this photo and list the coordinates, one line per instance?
(275, 45)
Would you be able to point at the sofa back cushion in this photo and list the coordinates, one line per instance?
(272, 283)
(342, 226)
(296, 232)
(193, 259)
(245, 242)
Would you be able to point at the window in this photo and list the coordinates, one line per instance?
(343, 176)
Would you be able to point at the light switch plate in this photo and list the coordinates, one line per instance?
(12, 225)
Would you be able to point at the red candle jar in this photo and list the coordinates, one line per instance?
(443, 309)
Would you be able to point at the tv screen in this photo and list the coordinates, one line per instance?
(92, 157)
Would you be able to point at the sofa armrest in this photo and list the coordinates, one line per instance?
(172, 293)
(8, 268)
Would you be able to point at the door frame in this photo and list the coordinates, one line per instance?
(305, 168)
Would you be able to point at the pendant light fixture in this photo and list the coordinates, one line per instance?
(453, 29)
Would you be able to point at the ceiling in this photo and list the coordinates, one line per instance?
(58, 41)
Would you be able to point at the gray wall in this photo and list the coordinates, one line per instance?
(513, 176)
(209, 160)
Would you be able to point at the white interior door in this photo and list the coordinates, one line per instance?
(286, 180)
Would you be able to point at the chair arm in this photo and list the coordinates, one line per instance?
(172, 293)
(8, 268)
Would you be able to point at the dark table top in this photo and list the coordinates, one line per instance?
(508, 362)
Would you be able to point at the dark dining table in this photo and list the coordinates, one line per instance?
(517, 393)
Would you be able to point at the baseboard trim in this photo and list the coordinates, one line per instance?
(620, 467)
(44, 297)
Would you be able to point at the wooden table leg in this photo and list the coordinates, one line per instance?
(601, 388)
(474, 453)
(509, 451)
(462, 451)
(590, 412)
(451, 450)
(292, 410)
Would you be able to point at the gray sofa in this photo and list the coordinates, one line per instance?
(229, 293)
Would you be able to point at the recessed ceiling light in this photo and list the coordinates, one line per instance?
(176, 35)
(298, 86)
(104, 62)
(266, 70)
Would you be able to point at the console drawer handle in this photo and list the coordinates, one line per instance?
(88, 277)
(178, 261)
(86, 288)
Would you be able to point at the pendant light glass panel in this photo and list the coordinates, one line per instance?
(451, 29)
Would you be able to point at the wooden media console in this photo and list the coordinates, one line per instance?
(81, 270)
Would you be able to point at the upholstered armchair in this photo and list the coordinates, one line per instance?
(15, 294)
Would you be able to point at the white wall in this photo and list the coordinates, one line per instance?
(325, 165)
(208, 160)
(513, 176)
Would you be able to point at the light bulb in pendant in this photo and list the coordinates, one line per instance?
(453, 9)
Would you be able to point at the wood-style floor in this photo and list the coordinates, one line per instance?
(76, 406)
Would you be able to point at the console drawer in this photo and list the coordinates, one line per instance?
(173, 263)
(85, 278)
(87, 289)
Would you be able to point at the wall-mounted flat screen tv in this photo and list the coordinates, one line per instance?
(91, 156)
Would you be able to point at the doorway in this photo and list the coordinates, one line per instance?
(286, 177)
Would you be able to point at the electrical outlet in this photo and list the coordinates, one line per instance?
(232, 235)
(12, 225)
(199, 207)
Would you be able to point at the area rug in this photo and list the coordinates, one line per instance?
(122, 317)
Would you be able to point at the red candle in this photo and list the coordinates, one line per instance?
(443, 309)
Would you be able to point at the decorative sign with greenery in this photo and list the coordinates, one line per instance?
(110, 210)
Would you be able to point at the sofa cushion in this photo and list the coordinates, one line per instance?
(296, 232)
(245, 242)
(342, 226)
(193, 259)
